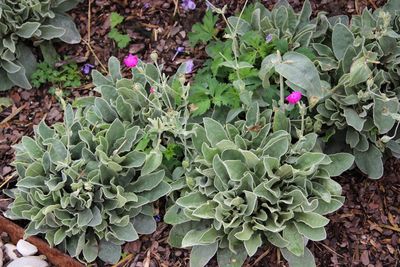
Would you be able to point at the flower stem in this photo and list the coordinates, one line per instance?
(282, 93)
(302, 113)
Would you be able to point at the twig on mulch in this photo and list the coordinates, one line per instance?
(124, 261)
(87, 42)
(261, 257)
(393, 228)
(12, 115)
(7, 179)
(372, 2)
(328, 248)
(176, 8)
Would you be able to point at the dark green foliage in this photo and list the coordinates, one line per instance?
(121, 39)
(204, 32)
(65, 76)
(235, 58)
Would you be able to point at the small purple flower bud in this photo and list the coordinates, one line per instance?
(87, 68)
(180, 49)
(146, 5)
(188, 5)
(269, 38)
(189, 66)
(157, 218)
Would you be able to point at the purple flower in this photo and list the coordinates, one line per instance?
(180, 49)
(189, 66)
(87, 68)
(188, 5)
(269, 38)
(157, 218)
(146, 5)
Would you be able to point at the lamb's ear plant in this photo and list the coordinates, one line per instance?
(362, 112)
(150, 99)
(86, 187)
(36, 21)
(250, 186)
(89, 184)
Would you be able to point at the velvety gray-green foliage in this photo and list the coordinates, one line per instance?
(88, 184)
(249, 185)
(37, 21)
(349, 73)
(85, 187)
(361, 62)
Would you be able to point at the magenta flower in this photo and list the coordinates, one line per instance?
(152, 90)
(131, 61)
(294, 97)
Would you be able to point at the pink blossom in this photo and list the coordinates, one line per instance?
(131, 61)
(152, 90)
(294, 97)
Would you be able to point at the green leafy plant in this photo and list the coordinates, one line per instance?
(85, 187)
(236, 60)
(207, 92)
(249, 186)
(362, 113)
(65, 76)
(122, 40)
(88, 184)
(40, 21)
(204, 32)
(348, 72)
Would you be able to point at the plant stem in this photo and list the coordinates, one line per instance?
(282, 93)
(302, 113)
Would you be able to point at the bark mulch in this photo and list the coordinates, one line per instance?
(364, 232)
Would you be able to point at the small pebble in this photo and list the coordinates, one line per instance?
(178, 253)
(26, 248)
(29, 261)
(10, 251)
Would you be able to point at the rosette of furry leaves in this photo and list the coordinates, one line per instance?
(151, 100)
(362, 115)
(87, 188)
(249, 186)
(38, 21)
(131, 100)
